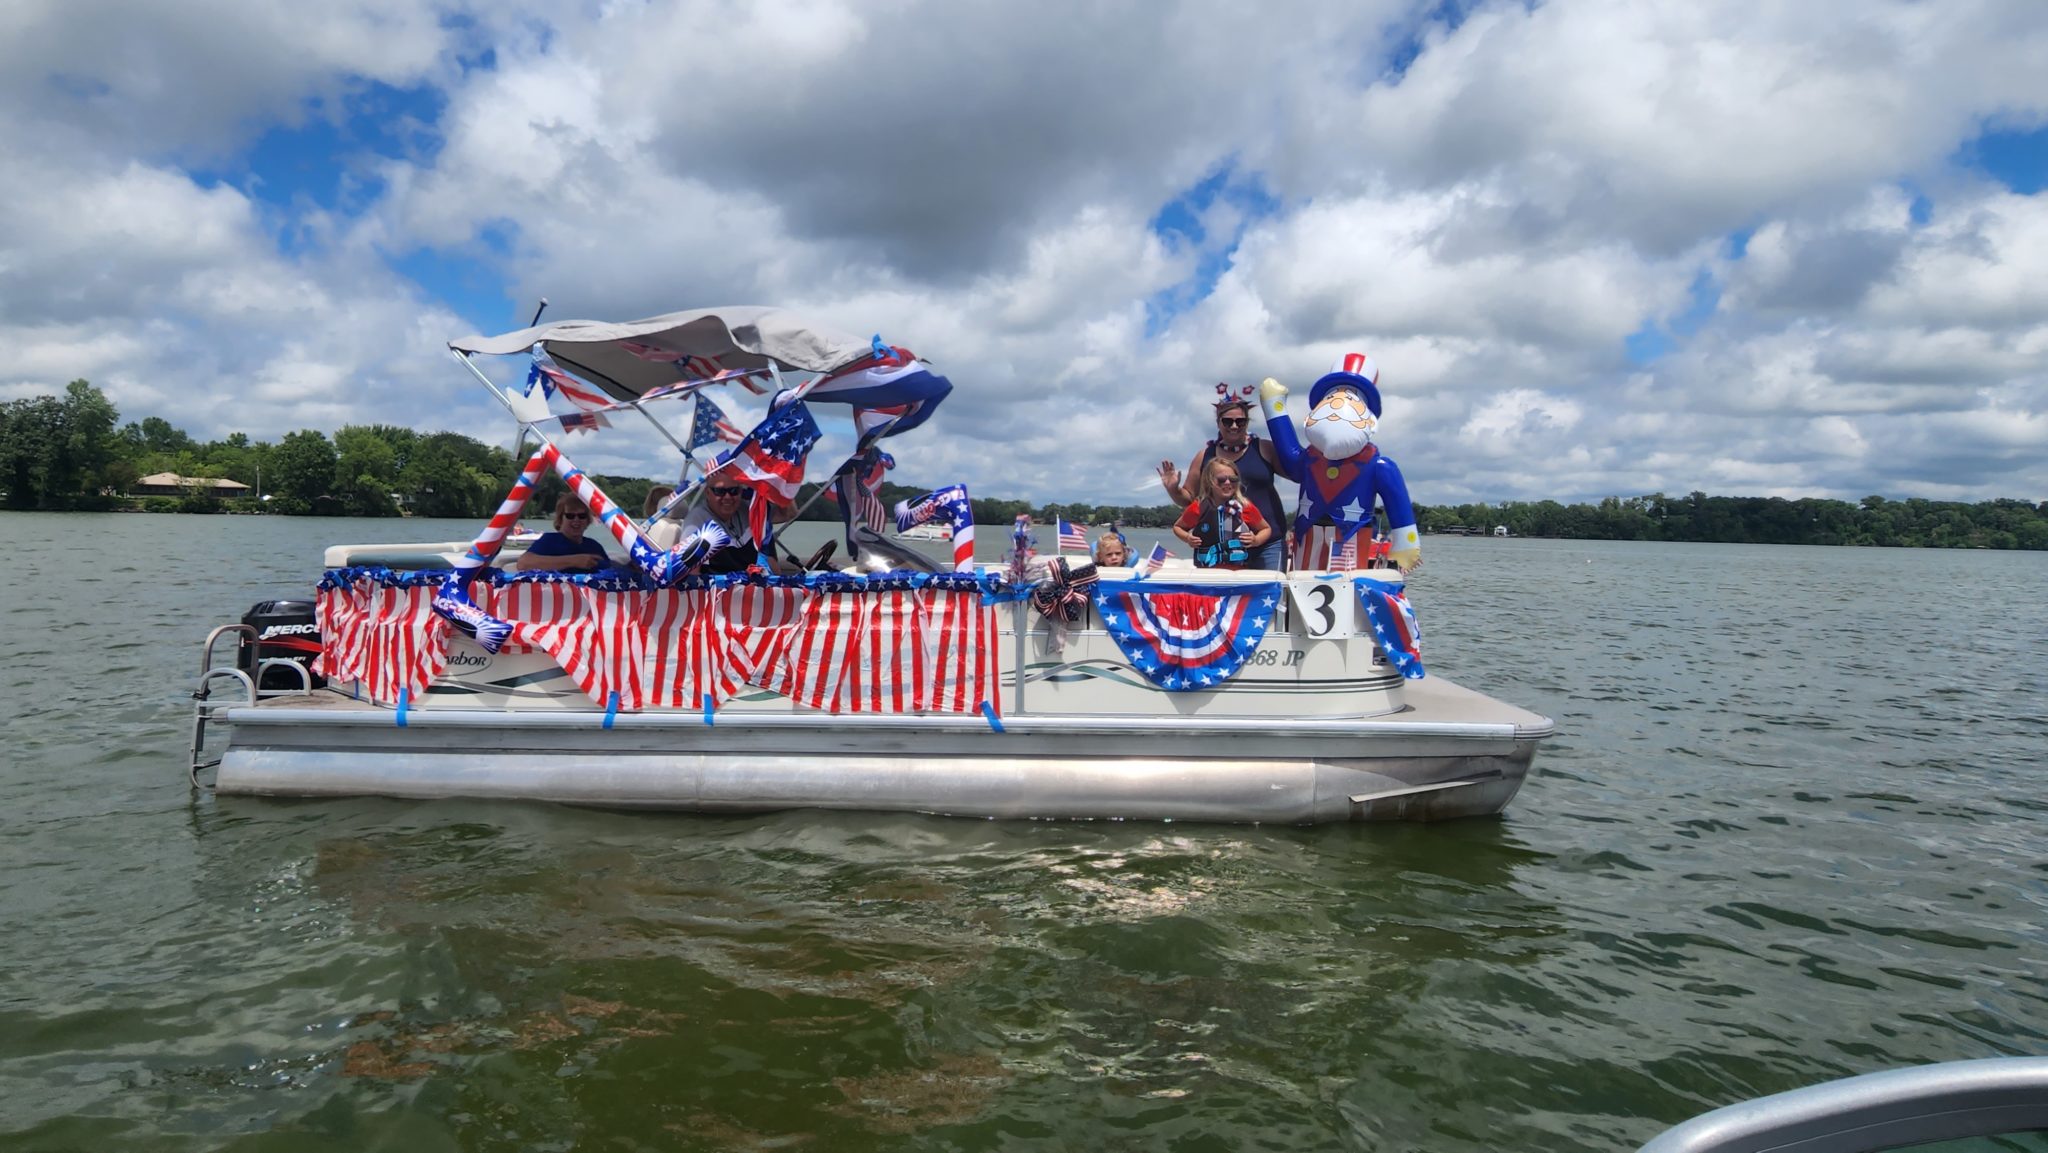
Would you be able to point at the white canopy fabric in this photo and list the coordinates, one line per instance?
(741, 336)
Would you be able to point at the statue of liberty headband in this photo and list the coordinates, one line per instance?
(1226, 395)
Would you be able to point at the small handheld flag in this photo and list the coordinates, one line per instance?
(1073, 538)
(1154, 562)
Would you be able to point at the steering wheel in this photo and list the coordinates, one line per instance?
(817, 559)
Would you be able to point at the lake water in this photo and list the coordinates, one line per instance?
(1792, 827)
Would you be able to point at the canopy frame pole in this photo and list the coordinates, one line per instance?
(504, 399)
(660, 429)
(526, 427)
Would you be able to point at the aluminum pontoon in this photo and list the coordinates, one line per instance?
(1023, 689)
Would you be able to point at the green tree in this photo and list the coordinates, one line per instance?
(89, 446)
(366, 470)
(302, 466)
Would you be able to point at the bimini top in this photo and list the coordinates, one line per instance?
(616, 357)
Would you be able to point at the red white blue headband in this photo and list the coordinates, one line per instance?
(1227, 396)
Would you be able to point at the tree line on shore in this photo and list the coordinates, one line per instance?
(72, 452)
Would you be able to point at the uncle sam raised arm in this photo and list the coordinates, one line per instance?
(1341, 472)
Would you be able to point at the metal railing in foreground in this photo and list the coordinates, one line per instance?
(205, 708)
(1895, 1109)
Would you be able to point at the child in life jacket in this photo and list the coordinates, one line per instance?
(1222, 528)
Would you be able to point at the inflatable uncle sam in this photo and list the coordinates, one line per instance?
(1340, 471)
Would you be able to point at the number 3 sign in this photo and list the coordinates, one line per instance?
(1323, 608)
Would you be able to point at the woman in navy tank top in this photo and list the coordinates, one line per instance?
(1255, 462)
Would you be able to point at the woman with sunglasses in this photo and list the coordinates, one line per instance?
(1256, 465)
(566, 549)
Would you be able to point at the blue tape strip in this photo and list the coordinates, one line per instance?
(708, 722)
(988, 713)
(404, 701)
(611, 709)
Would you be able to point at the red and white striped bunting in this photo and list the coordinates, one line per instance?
(876, 651)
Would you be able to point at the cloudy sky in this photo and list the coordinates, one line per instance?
(1596, 246)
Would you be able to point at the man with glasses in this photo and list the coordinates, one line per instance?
(566, 549)
(1255, 462)
(726, 500)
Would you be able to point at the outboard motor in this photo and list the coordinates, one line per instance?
(286, 629)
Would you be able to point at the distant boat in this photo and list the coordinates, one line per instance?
(927, 531)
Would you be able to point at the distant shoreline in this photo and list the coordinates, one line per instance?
(1995, 526)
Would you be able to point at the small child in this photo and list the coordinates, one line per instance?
(1110, 551)
(1222, 528)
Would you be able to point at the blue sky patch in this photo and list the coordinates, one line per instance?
(324, 159)
(1657, 339)
(2018, 160)
(471, 286)
(1181, 225)
(1442, 17)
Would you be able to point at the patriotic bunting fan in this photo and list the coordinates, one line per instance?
(1187, 637)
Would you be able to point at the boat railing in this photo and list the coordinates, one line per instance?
(1894, 1109)
(207, 707)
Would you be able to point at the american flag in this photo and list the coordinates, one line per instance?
(553, 380)
(583, 421)
(1153, 563)
(709, 425)
(771, 460)
(1073, 537)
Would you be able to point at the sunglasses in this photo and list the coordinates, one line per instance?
(1224, 480)
(575, 516)
(736, 490)
(1233, 421)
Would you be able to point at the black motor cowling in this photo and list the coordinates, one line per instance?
(285, 629)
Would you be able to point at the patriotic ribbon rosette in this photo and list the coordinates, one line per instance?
(1187, 637)
(1393, 622)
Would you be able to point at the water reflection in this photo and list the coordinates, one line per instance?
(839, 975)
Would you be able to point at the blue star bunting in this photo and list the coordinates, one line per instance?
(1200, 642)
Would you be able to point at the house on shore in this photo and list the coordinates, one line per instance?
(171, 484)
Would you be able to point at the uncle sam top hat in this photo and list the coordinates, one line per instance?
(1355, 369)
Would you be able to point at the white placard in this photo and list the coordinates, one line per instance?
(1323, 608)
